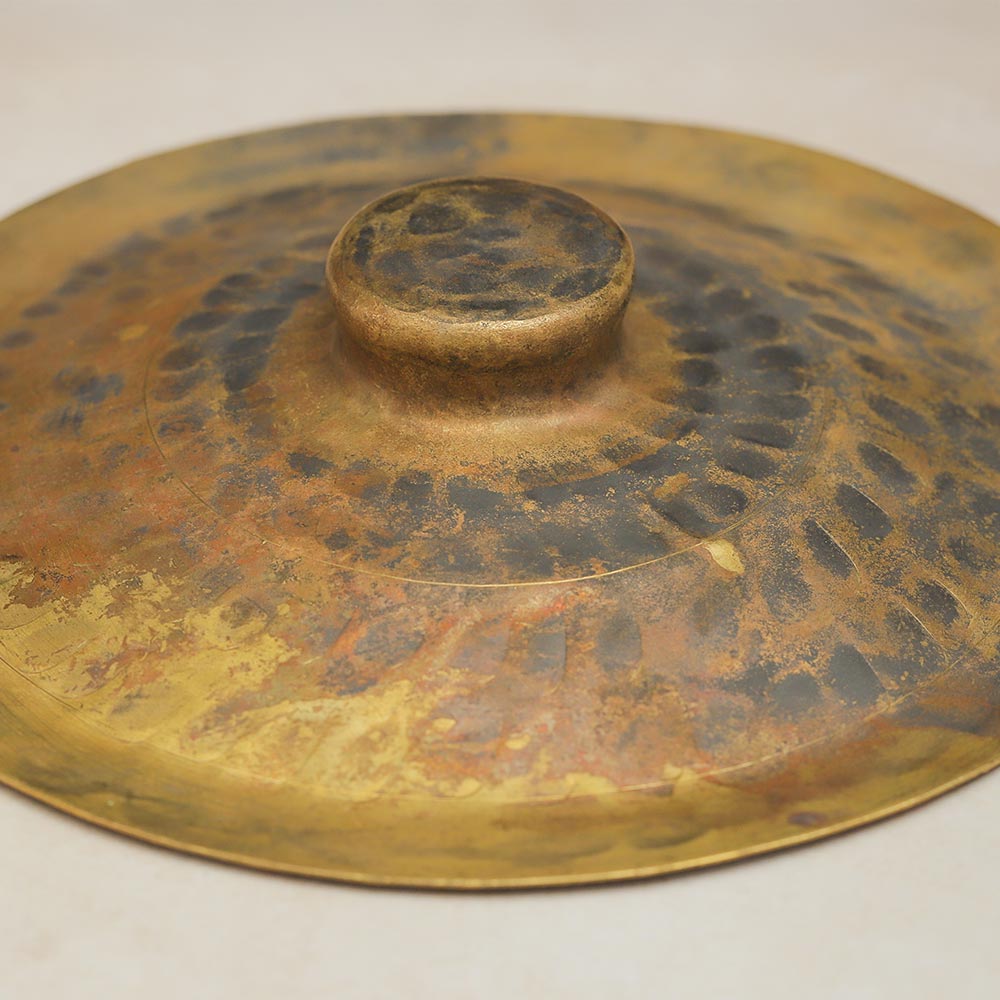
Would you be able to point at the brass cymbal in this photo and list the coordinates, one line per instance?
(497, 500)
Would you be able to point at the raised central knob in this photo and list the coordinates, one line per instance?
(480, 289)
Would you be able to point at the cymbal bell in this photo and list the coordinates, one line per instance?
(497, 500)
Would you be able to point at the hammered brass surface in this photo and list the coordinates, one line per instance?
(731, 585)
(488, 293)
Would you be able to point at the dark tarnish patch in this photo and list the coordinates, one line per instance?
(337, 541)
(795, 694)
(871, 521)
(927, 324)
(960, 716)
(619, 643)
(546, 650)
(761, 326)
(472, 498)
(40, 310)
(842, 328)
(915, 655)
(807, 819)
(432, 219)
(754, 682)
(907, 420)
(16, 338)
(729, 302)
(263, 321)
(685, 516)
(938, 602)
(724, 501)
(813, 291)
(866, 281)
(176, 385)
(87, 387)
(971, 555)
(698, 401)
(894, 475)
(778, 356)
(879, 369)
(244, 361)
(696, 372)
(237, 342)
(955, 417)
(780, 406)
(200, 322)
(388, 643)
(363, 246)
(766, 434)
(826, 550)
(986, 451)
(852, 677)
(308, 466)
(986, 505)
(183, 423)
(776, 380)
(181, 358)
(748, 463)
(788, 595)
(990, 414)
(413, 492)
(959, 359)
(715, 610)
(701, 342)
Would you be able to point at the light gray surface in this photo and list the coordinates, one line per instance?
(909, 908)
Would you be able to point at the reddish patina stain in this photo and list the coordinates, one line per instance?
(739, 561)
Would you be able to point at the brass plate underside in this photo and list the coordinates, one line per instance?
(244, 615)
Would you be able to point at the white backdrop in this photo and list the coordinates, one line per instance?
(909, 908)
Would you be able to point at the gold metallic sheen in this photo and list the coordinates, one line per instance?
(682, 549)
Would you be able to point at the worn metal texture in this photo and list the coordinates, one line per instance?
(269, 592)
(487, 293)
